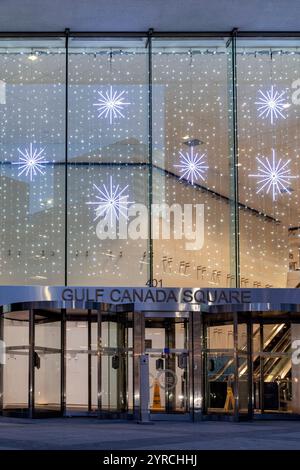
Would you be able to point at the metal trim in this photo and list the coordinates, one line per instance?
(144, 34)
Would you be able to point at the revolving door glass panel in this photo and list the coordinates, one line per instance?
(219, 368)
(46, 362)
(116, 369)
(275, 370)
(81, 362)
(226, 365)
(14, 372)
(99, 376)
(166, 343)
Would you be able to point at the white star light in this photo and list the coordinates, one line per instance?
(111, 104)
(271, 104)
(111, 201)
(274, 175)
(32, 161)
(192, 166)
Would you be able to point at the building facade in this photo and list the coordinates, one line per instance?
(149, 208)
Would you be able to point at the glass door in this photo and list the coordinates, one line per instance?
(46, 362)
(99, 378)
(272, 368)
(226, 364)
(116, 363)
(219, 367)
(81, 360)
(14, 328)
(166, 343)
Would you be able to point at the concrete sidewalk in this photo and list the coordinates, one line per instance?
(91, 434)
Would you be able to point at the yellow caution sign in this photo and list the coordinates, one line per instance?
(156, 396)
(229, 403)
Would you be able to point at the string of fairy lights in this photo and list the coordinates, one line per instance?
(108, 154)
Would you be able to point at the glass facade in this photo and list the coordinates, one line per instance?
(147, 131)
(150, 161)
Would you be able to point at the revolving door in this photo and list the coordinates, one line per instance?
(66, 362)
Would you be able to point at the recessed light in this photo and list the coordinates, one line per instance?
(33, 57)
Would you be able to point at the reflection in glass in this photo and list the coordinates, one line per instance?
(107, 160)
(191, 157)
(32, 147)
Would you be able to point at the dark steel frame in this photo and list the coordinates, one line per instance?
(154, 33)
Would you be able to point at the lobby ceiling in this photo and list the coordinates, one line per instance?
(140, 15)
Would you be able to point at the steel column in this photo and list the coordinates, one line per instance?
(63, 369)
(31, 370)
(196, 380)
(138, 349)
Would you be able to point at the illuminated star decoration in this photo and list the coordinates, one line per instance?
(111, 104)
(274, 175)
(271, 104)
(31, 161)
(111, 201)
(192, 166)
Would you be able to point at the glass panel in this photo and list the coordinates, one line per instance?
(243, 383)
(32, 151)
(110, 393)
(94, 364)
(220, 337)
(276, 366)
(16, 369)
(107, 161)
(220, 382)
(243, 367)
(130, 369)
(191, 159)
(274, 373)
(219, 368)
(268, 127)
(77, 366)
(292, 387)
(166, 344)
(47, 363)
(116, 363)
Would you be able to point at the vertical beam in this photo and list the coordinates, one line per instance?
(250, 367)
(63, 369)
(138, 349)
(89, 345)
(31, 365)
(234, 192)
(236, 367)
(170, 396)
(121, 371)
(261, 368)
(67, 31)
(204, 362)
(1, 365)
(150, 156)
(196, 381)
(99, 363)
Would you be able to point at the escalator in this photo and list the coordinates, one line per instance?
(271, 371)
